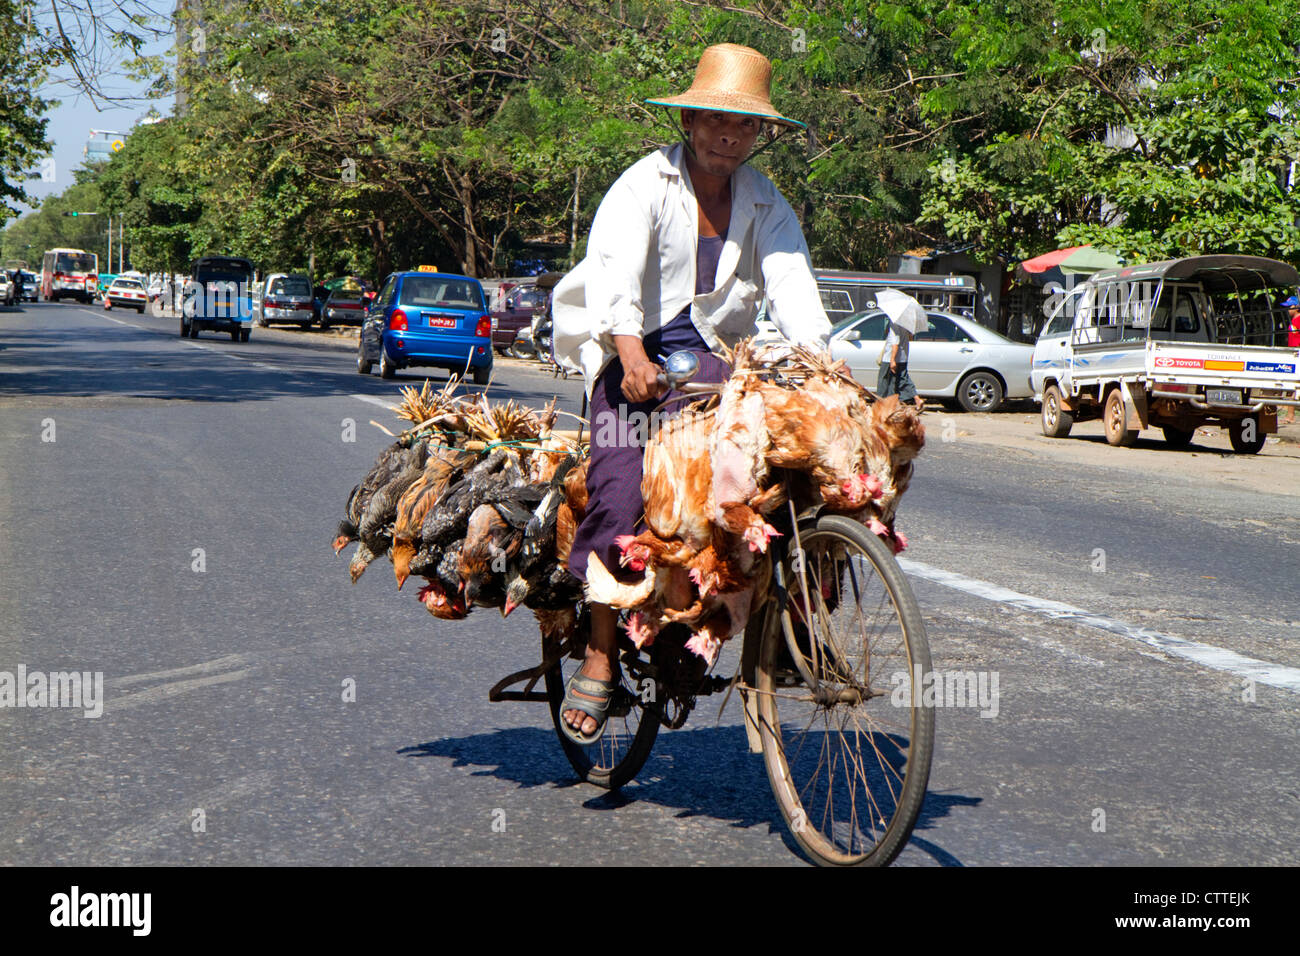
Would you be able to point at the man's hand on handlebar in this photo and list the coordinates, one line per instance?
(643, 381)
(640, 375)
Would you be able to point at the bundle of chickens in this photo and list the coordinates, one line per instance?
(482, 500)
(479, 499)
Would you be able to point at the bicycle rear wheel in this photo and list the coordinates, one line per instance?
(848, 760)
(630, 728)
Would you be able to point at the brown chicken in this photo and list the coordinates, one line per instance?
(440, 604)
(487, 541)
(572, 510)
(676, 487)
(821, 440)
(739, 457)
(444, 466)
(895, 436)
(812, 430)
(704, 502)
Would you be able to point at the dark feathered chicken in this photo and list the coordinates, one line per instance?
(347, 530)
(493, 537)
(380, 511)
(447, 570)
(385, 467)
(532, 579)
(372, 506)
(443, 469)
(490, 481)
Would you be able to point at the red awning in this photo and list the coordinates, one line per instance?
(1048, 259)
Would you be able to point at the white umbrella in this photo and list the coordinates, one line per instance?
(903, 310)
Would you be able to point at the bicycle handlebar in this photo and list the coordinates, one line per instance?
(687, 388)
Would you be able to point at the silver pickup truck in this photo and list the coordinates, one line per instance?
(1175, 345)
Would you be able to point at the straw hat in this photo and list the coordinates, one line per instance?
(732, 79)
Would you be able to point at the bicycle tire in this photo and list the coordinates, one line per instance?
(622, 751)
(834, 844)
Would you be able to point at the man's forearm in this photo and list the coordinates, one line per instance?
(631, 351)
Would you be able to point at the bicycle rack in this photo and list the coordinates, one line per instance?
(532, 675)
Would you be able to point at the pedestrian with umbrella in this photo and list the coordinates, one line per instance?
(906, 319)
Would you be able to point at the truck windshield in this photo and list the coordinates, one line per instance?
(223, 270)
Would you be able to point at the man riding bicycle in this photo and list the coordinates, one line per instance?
(682, 251)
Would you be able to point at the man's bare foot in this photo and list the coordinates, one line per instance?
(602, 650)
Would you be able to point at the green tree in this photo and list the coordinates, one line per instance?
(49, 227)
(23, 125)
(148, 186)
(1154, 130)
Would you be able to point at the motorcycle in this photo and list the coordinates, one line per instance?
(523, 346)
(542, 334)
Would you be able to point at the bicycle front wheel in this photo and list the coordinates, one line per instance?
(847, 754)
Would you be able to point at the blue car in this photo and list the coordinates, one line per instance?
(427, 318)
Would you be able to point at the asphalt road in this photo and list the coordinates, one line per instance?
(224, 687)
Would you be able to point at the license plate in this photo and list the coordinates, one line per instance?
(441, 322)
(1223, 396)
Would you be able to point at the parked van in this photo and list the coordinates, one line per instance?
(1174, 345)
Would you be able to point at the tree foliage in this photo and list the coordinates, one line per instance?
(23, 125)
(359, 136)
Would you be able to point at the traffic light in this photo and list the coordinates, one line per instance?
(72, 214)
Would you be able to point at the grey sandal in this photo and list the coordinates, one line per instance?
(592, 697)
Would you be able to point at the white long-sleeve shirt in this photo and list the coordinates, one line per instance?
(639, 272)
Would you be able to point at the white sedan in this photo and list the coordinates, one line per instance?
(954, 358)
(128, 292)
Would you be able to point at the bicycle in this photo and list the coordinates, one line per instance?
(826, 681)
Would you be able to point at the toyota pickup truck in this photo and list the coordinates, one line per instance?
(1175, 345)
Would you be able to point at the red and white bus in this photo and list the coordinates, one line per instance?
(69, 273)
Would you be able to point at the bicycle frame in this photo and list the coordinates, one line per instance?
(803, 519)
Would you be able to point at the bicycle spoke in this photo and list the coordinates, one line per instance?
(846, 627)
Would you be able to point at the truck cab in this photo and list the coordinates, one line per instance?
(1175, 345)
(218, 296)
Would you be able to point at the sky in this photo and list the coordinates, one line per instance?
(71, 121)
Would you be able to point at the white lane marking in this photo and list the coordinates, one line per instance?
(218, 664)
(387, 405)
(225, 354)
(1274, 675)
(152, 695)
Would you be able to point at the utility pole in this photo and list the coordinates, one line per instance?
(573, 229)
